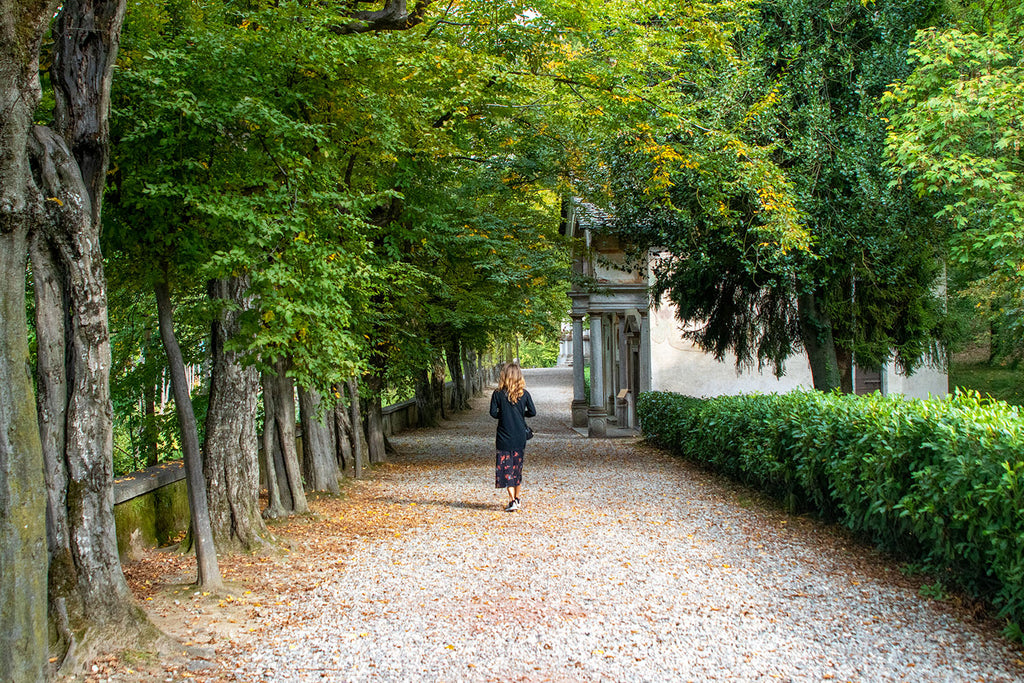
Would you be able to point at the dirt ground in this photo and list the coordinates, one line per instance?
(216, 629)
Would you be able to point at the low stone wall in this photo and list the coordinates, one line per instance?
(151, 506)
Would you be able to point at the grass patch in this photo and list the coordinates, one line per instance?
(1002, 382)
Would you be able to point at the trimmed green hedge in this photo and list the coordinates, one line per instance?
(938, 481)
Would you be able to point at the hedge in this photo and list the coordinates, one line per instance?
(938, 481)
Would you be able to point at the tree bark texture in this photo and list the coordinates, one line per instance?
(342, 433)
(287, 468)
(51, 354)
(816, 333)
(230, 447)
(358, 443)
(394, 16)
(87, 588)
(91, 586)
(86, 39)
(275, 504)
(23, 500)
(206, 553)
(319, 457)
(437, 379)
(844, 366)
(428, 410)
(375, 420)
(467, 374)
(454, 359)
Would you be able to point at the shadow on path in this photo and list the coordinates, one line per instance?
(625, 564)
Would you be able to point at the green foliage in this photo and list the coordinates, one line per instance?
(938, 481)
(539, 353)
(956, 131)
(785, 192)
(1002, 382)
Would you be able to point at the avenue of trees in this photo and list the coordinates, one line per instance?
(315, 203)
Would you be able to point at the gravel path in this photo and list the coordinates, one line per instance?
(624, 565)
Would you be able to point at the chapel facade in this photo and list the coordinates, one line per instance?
(633, 346)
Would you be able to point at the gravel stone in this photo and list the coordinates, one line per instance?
(625, 564)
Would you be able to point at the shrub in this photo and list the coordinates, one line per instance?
(940, 481)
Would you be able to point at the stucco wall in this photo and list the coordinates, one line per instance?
(680, 367)
(925, 382)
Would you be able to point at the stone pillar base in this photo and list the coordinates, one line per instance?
(579, 413)
(597, 423)
(622, 412)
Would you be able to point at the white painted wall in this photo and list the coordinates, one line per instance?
(926, 382)
(680, 367)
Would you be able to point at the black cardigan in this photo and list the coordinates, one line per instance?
(511, 434)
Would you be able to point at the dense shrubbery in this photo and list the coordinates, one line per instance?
(939, 481)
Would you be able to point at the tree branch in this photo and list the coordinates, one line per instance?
(394, 16)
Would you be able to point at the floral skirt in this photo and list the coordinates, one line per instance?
(508, 469)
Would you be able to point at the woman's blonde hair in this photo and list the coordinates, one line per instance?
(511, 381)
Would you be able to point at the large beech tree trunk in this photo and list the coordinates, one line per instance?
(341, 432)
(51, 350)
(816, 332)
(319, 456)
(437, 379)
(469, 372)
(230, 452)
(202, 533)
(453, 357)
(428, 407)
(275, 503)
(358, 443)
(285, 465)
(23, 577)
(88, 594)
(375, 419)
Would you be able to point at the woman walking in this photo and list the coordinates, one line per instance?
(511, 404)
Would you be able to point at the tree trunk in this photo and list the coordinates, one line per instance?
(358, 444)
(88, 593)
(375, 419)
(206, 554)
(51, 365)
(816, 332)
(230, 452)
(437, 380)
(91, 588)
(288, 470)
(428, 409)
(453, 357)
(467, 372)
(319, 457)
(342, 433)
(275, 504)
(844, 365)
(23, 500)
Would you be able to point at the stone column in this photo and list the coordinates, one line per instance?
(609, 367)
(579, 392)
(597, 414)
(645, 351)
